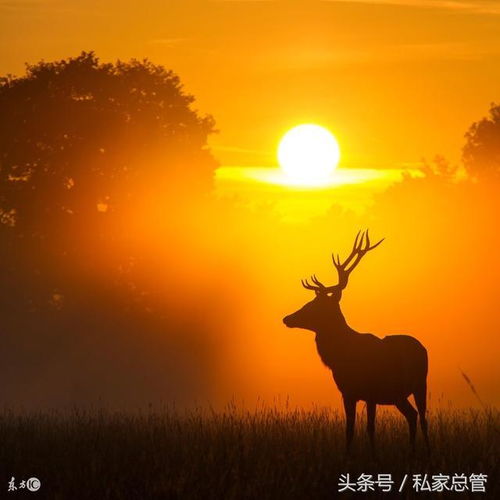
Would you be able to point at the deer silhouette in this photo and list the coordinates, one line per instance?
(365, 367)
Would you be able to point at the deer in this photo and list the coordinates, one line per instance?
(378, 371)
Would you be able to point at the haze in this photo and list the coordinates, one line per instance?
(396, 82)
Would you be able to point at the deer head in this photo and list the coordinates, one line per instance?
(324, 310)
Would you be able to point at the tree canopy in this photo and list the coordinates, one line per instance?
(82, 145)
(74, 131)
(481, 153)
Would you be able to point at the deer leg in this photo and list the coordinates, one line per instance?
(371, 409)
(420, 396)
(405, 407)
(350, 414)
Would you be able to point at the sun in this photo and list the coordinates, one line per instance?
(308, 154)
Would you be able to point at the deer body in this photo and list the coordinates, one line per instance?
(365, 367)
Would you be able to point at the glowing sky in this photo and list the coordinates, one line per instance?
(394, 80)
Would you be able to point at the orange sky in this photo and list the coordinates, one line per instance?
(395, 80)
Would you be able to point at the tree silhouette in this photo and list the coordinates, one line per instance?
(71, 130)
(80, 141)
(481, 153)
(96, 161)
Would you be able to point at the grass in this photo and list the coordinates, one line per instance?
(268, 453)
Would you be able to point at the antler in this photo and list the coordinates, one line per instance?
(360, 248)
(317, 287)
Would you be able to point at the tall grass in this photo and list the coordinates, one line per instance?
(265, 453)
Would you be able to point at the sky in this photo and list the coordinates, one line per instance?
(396, 81)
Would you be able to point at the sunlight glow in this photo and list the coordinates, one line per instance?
(308, 154)
(351, 189)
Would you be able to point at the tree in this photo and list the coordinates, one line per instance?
(481, 153)
(81, 142)
(73, 130)
(93, 159)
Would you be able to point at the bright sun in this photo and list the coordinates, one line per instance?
(308, 154)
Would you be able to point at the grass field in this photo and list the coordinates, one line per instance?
(269, 453)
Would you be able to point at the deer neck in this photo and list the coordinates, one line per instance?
(336, 332)
(334, 326)
(333, 342)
